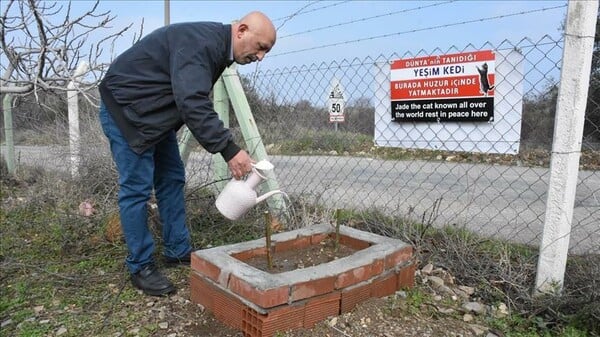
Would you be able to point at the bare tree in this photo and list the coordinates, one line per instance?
(43, 45)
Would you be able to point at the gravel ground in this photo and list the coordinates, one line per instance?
(435, 314)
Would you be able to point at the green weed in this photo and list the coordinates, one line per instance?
(53, 259)
(325, 141)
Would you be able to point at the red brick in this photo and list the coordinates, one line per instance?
(353, 296)
(252, 323)
(224, 306)
(319, 308)
(255, 324)
(312, 288)
(297, 243)
(227, 309)
(406, 276)
(353, 276)
(248, 254)
(205, 268)
(318, 238)
(378, 267)
(398, 257)
(201, 292)
(300, 304)
(353, 243)
(385, 285)
(267, 298)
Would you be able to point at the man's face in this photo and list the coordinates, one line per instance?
(252, 43)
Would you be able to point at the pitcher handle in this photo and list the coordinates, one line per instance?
(257, 171)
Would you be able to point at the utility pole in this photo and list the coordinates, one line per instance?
(167, 13)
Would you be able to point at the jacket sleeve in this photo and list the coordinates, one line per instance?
(192, 69)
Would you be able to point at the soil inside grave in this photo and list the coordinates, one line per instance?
(300, 258)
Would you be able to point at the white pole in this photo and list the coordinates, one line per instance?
(73, 109)
(8, 134)
(167, 13)
(566, 146)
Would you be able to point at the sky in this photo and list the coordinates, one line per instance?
(312, 32)
(331, 32)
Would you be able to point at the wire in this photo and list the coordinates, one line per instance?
(417, 30)
(296, 13)
(310, 11)
(365, 19)
(286, 71)
(287, 18)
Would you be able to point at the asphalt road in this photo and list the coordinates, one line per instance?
(501, 201)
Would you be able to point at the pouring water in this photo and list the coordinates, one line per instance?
(239, 196)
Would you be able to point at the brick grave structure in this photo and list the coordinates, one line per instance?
(260, 303)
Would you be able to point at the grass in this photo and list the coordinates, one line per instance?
(59, 272)
(325, 142)
(328, 142)
(501, 272)
(520, 326)
(55, 272)
(415, 300)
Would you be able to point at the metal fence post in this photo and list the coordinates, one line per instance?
(221, 102)
(256, 148)
(566, 147)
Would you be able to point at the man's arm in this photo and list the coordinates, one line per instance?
(191, 79)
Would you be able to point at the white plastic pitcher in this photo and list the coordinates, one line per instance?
(239, 196)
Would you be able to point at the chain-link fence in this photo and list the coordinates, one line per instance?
(368, 163)
(358, 163)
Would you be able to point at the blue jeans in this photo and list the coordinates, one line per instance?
(161, 168)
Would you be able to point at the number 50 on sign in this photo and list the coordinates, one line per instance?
(336, 110)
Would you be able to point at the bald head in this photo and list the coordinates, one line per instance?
(252, 37)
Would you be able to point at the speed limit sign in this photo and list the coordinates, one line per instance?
(336, 110)
(336, 102)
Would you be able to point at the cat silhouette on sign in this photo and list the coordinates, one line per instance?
(484, 83)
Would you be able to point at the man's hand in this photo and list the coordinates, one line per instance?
(240, 164)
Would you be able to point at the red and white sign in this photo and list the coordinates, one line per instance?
(452, 87)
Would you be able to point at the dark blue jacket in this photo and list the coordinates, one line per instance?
(164, 80)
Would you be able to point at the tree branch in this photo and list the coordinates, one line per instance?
(46, 59)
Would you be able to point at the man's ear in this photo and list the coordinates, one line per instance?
(242, 28)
